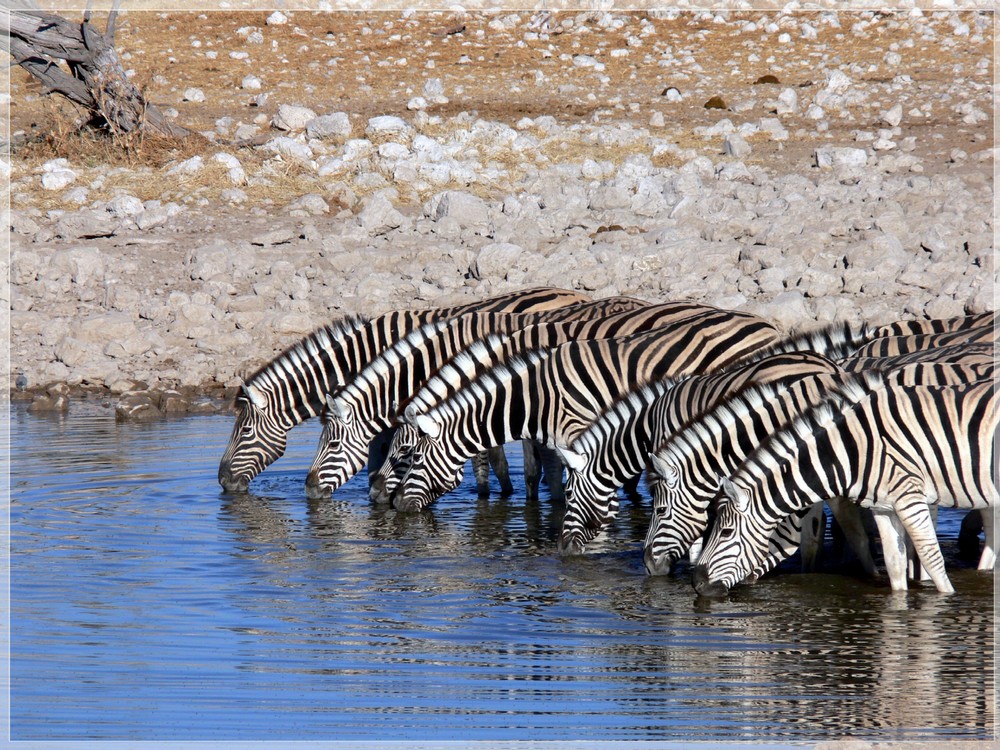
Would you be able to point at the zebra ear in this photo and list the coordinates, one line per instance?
(573, 459)
(254, 395)
(338, 409)
(739, 496)
(430, 427)
(660, 466)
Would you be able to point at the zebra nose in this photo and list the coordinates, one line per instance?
(315, 490)
(376, 492)
(230, 483)
(705, 587)
(570, 544)
(656, 565)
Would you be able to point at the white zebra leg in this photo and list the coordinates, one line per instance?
(989, 557)
(893, 537)
(919, 524)
(914, 567)
(811, 539)
(849, 519)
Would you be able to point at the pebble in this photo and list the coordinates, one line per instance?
(193, 95)
(292, 118)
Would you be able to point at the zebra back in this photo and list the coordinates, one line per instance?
(936, 325)
(521, 301)
(940, 373)
(960, 354)
(894, 346)
(596, 309)
(835, 341)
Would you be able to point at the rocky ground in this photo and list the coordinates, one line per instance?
(807, 167)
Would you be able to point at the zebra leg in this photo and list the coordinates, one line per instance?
(552, 466)
(968, 535)
(890, 531)
(481, 471)
(916, 517)
(914, 566)
(989, 558)
(811, 537)
(532, 469)
(631, 488)
(849, 519)
(498, 460)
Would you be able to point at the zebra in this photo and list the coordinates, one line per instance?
(936, 325)
(897, 450)
(292, 387)
(894, 346)
(959, 354)
(618, 443)
(552, 395)
(686, 470)
(468, 364)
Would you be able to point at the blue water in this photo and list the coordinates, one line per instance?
(147, 605)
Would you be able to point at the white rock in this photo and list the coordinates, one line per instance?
(416, 103)
(495, 260)
(188, 166)
(336, 125)
(840, 156)
(277, 19)
(292, 117)
(386, 124)
(788, 102)
(379, 215)
(736, 145)
(673, 94)
(124, 206)
(815, 112)
(194, 95)
(289, 147)
(312, 204)
(251, 83)
(893, 116)
(58, 179)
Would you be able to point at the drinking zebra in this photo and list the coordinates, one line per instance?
(292, 387)
(551, 396)
(370, 403)
(617, 445)
(687, 469)
(897, 450)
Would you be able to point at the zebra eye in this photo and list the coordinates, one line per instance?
(726, 533)
(247, 430)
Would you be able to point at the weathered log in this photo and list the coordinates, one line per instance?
(96, 79)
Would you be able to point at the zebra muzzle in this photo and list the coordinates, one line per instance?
(706, 587)
(316, 490)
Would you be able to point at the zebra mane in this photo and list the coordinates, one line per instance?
(621, 410)
(390, 359)
(454, 374)
(833, 341)
(498, 375)
(304, 352)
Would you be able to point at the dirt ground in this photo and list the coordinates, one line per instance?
(372, 63)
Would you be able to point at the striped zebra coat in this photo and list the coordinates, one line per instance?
(551, 396)
(686, 470)
(617, 445)
(895, 346)
(368, 405)
(959, 354)
(293, 386)
(936, 325)
(898, 450)
(481, 356)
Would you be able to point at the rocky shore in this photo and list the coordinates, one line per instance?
(839, 190)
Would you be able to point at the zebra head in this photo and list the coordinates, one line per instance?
(434, 470)
(385, 482)
(342, 450)
(258, 440)
(591, 500)
(680, 512)
(737, 543)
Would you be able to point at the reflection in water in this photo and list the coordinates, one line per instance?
(145, 605)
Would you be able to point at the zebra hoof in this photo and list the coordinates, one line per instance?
(707, 588)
